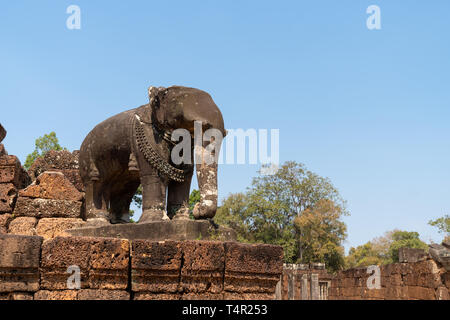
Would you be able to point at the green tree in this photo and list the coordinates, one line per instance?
(365, 255)
(234, 213)
(443, 225)
(137, 198)
(42, 146)
(321, 233)
(194, 198)
(383, 250)
(404, 239)
(374, 252)
(265, 213)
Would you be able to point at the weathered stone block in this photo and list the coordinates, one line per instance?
(61, 160)
(89, 294)
(60, 253)
(21, 296)
(109, 264)
(19, 263)
(8, 196)
(203, 266)
(47, 208)
(446, 279)
(49, 228)
(156, 296)
(155, 266)
(56, 295)
(73, 175)
(23, 226)
(411, 255)
(420, 293)
(441, 254)
(52, 185)
(248, 296)
(202, 296)
(103, 262)
(5, 220)
(391, 280)
(16, 296)
(11, 171)
(377, 294)
(252, 268)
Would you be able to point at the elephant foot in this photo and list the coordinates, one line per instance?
(97, 219)
(182, 214)
(124, 218)
(96, 222)
(153, 215)
(204, 211)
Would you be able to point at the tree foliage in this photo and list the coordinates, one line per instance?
(281, 209)
(194, 198)
(443, 225)
(383, 250)
(137, 198)
(321, 233)
(42, 146)
(404, 239)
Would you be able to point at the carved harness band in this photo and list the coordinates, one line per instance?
(152, 157)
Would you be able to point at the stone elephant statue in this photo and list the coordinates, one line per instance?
(135, 146)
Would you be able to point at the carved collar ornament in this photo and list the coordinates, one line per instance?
(152, 157)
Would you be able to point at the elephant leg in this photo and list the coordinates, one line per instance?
(121, 198)
(178, 198)
(96, 209)
(153, 196)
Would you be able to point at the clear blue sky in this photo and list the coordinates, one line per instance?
(368, 109)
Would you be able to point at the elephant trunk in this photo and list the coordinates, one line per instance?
(206, 166)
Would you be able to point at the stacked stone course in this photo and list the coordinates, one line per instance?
(417, 277)
(117, 269)
(421, 280)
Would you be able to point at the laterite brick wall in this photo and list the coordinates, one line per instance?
(113, 269)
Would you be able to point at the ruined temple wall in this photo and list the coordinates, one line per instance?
(421, 280)
(116, 269)
(46, 200)
(419, 276)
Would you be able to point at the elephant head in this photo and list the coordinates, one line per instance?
(194, 110)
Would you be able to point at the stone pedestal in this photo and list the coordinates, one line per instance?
(177, 230)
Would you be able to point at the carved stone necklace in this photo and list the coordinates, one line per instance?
(152, 157)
